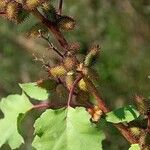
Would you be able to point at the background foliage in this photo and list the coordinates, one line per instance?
(123, 31)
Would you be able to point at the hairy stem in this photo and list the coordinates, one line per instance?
(53, 28)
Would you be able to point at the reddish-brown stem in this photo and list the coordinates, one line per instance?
(96, 94)
(58, 105)
(53, 28)
(72, 89)
(148, 123)
(126, 133)
(41, 106)
(60, 7)
(1, 12)
(49, 105)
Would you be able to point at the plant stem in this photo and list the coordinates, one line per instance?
(72, 89)
(126, 133)
(60, 7)
(58, 105)
(41, 106)
(148, 123)
(52, 27)
(2, 13)
(96, 94)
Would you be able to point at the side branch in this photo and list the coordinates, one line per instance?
(53, 28)
(51, 45)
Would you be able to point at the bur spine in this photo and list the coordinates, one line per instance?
(66, 23)
(32, 4)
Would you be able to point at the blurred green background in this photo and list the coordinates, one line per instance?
(122, 28)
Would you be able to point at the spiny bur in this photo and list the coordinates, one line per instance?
(136, 132)
(15, 12)
(2, 4)
(69, 63)
(32, 4)
(12, 11)
(69, 79)
(74, 47)
(92, 55)
(49, 11)
(82, 85)
(143, 105)
(66, 23)
(58, 71)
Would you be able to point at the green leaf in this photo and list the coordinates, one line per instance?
(12, 106)
(124, 114)
(67, 129)
(134, 147)
(34, 91)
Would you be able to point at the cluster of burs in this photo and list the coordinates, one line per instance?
(18, 10)
(70, 65)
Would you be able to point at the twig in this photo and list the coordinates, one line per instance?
(50, 44)
(60, 7)
(72, 89)
(44, 64)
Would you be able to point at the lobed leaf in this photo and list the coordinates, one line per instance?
(124, 114)
(34, 91)
(12, 106)
(134, 147)
(67, 129)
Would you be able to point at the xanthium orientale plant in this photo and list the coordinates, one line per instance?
(72, 119)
